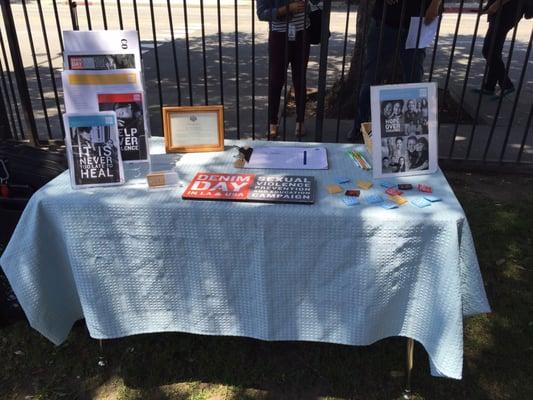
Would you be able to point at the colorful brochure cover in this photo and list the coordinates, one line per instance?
(93, 149)
(130, 119)
(252, 187)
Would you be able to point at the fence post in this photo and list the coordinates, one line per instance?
(18, 66)
(5, 128)
(322, 70)
(74, 15)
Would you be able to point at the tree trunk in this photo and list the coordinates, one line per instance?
(345, 92)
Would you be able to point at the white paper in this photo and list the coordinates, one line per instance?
(271, 157)
(124, 44)
(404, 129)
(80, 93)
(84, 97)
(427, 33)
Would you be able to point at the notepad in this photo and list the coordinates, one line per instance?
(284, 157)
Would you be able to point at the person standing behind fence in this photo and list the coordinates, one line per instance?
(388, 14)
(288, 23)
(503, 15)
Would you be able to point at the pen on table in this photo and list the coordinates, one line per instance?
(360, 160)
(352, 157)
(364, 161)
(368, 165)
(305, 157)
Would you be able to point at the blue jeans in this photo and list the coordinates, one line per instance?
(388, 50)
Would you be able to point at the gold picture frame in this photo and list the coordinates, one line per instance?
(189, 129)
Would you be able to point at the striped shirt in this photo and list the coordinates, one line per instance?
(297, 19)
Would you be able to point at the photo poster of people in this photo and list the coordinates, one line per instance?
(404, 129)
(131, 123)
(93, 150)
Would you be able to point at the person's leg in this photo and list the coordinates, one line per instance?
(414, 65)
(278, 66)
(412, 62)
(299, 58)
(492, 51)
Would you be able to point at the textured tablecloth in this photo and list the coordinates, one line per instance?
(132, 260)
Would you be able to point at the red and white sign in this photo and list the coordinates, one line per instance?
(208, 186)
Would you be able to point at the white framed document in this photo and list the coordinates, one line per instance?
(93, 149)
(404, 129)
(193, 129)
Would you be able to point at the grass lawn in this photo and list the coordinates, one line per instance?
(498, 347)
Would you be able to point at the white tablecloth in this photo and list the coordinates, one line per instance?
(132, 260)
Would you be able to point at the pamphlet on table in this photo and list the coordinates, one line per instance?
(103, 73)
(93, 149)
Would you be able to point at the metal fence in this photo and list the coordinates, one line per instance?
(198, 52)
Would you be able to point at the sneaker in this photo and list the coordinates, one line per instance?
(504, 92)
(274, 131)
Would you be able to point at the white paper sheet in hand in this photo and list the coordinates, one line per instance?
(270, 157)
(427, 33)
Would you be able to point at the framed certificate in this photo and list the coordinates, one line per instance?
(193, 129)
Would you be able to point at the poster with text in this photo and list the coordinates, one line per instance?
(252, 187)
(404, 129)
(131, 123)
(93, 149)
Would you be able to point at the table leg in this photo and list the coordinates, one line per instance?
(101, 357)
(409, 368)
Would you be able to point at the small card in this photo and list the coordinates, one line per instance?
(387, 184)
(163, 178)
(425, 189)
(364, 184)
(432, 198)
(350, 201)
(342, 179)
(332, 189)
(405, 186)
(420, 202)
(393, 192)
(374, 199)
(352, 192)
(388, 205)
(398, 200)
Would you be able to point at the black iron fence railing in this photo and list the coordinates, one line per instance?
(199, 52)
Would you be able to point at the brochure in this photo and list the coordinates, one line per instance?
(119, 91)
(93, 149)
